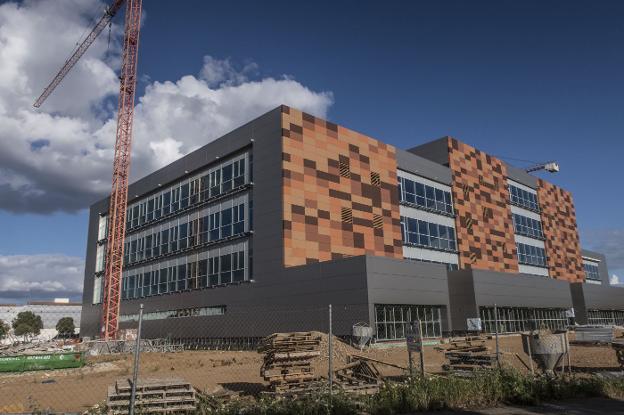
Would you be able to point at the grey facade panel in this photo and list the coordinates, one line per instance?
(521, 176)
(436, 151)
(602, 266)
(423, 167)
(505, 290)
(595, 297)
(462, 298)
(396, 281)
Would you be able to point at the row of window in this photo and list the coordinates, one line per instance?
(523, 198)
(591, 271)
(531, 255)
(391, 320)
(425, 196)
(606, 317)
(212, 227)
(514, 319)
(213, 183)
(430, 235)
(526, 226)
(179, 313)
(186, 275)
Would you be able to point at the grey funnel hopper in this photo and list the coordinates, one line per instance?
(546, 348)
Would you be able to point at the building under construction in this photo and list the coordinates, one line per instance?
(291, 212)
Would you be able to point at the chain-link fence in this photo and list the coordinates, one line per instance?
(188, 356)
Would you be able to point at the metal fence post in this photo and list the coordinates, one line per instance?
(422, 349)
(496, 335)
(137, 355)
(330, 375)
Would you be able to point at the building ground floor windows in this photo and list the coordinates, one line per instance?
(606, 317)
(515, 319)
(391, 320)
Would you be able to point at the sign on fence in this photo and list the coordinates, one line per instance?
(474, 324)
(413, 337)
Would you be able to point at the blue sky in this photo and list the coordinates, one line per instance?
(530, 80)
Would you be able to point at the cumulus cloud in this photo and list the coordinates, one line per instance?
(60, 157)
(615, 280)
(25, 277)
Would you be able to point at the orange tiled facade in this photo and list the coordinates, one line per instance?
(485, 235)
(563, 247)
(340, 193)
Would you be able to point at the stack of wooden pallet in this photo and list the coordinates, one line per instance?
(358, 376)
(288, 361)
(470, 353)
(152, 396)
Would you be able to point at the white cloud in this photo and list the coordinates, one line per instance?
(40, 276)
(60, 157)
(615, 280)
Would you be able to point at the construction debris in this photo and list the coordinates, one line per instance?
(467, 354)
(288, 361)
(359, 376)
(153, 396)
(102, 347)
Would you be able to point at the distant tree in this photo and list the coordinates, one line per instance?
(4, 329)
(66, 327)
(27, 323)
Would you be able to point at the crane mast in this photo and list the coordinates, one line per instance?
(121, 171)
(121, 161)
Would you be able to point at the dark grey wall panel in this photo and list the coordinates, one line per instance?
(521, 176)
(599, 297)
(518, 290)
(423, 167)
(602, 266)
(436, 151)
(462, 298)
(396, 281)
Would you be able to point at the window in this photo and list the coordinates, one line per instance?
(238, 222)
(430, 235)
(591, 271)
(100, 257)
(606, 317)
(523, 198)
(526, 226)
(424, 196)
(449, 266)
(514, 319)
(391, 320)
(102, 227)
(531, 255)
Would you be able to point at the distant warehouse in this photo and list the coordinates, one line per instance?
(49, 311)
(290, 213)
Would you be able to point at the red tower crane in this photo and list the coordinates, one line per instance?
(121, 161)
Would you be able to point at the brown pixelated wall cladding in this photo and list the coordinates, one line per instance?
(485, 235)
(563, 247)
(340, 193)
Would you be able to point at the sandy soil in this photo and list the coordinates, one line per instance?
(75, 390)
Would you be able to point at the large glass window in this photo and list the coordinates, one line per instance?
(100, 256)
(514, 319)
(391, 320)
(188, 274)
(591, 271)
(102, 227)
(178, 313)
(430, 235)
(526, 226)
(226, 177)
(425, 196)
(523, 198)
(606, 317)
(531, 255)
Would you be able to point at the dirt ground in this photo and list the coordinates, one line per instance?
(73, 390)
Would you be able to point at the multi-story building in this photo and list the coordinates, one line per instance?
(291, 211)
